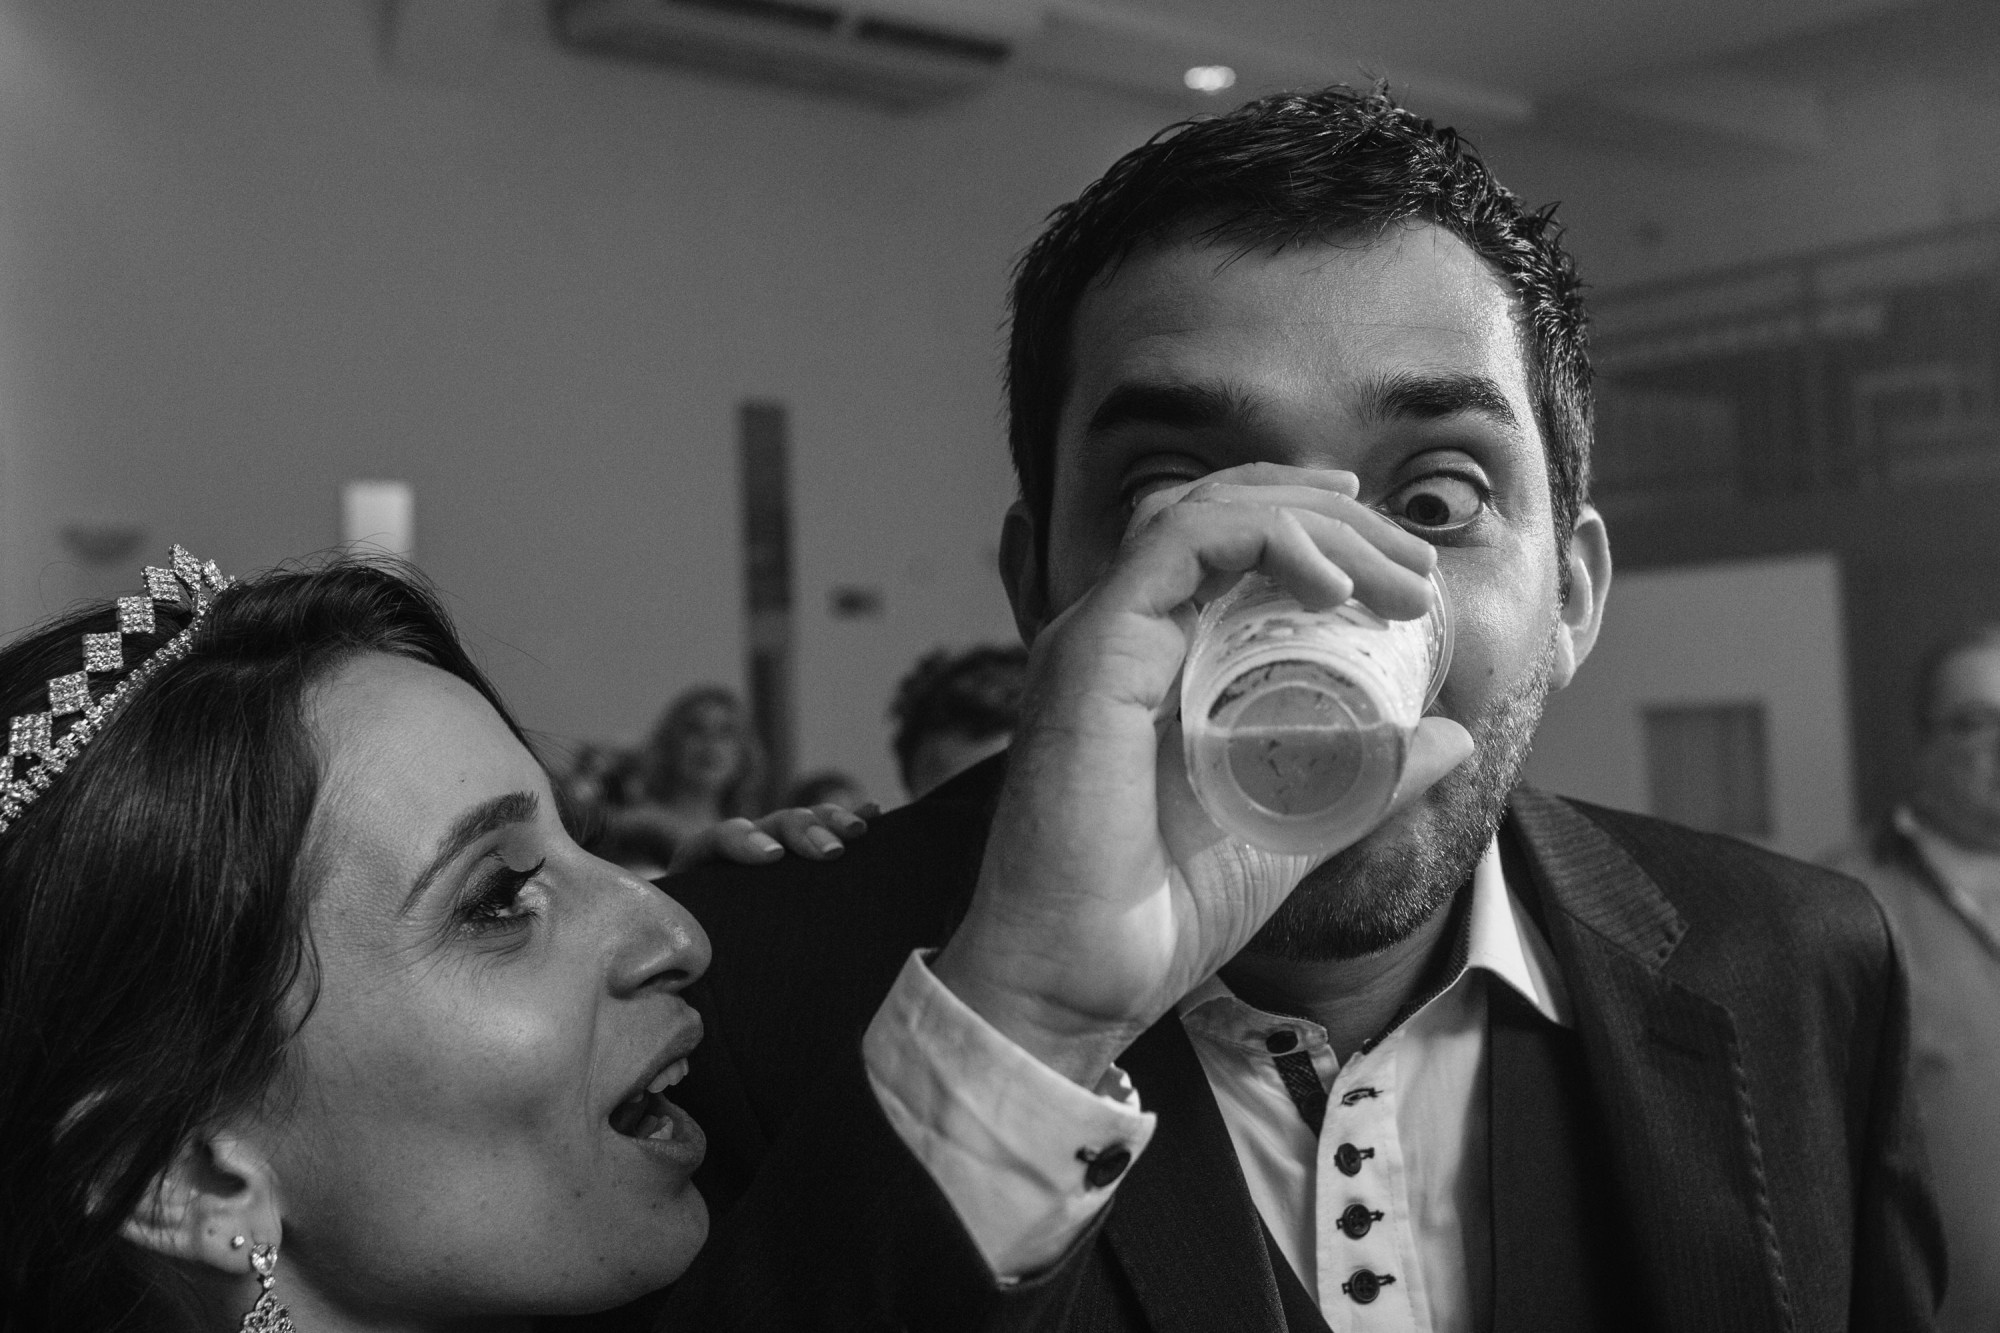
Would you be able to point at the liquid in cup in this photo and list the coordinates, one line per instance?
(1296, 723)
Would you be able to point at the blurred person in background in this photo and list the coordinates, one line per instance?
(599, 777)
(1935, 865)
(701, 766)
(592, 782)
(955, 709)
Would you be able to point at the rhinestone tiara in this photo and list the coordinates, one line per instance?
(35, 755)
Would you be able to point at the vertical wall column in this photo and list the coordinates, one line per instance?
(764, 460)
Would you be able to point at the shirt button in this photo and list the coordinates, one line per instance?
(1365, 1286)
(1101, 1168)
(1281, 1041)
(1349, 1158)
(1356, 1219)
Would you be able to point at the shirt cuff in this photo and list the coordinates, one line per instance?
(1025, 1156)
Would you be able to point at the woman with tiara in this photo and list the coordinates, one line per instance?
(312, 1014)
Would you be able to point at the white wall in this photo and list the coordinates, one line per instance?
(245, 255)
(1767, 630)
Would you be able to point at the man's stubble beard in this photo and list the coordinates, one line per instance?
(1377, 893)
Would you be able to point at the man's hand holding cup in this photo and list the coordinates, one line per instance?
(1107, 893)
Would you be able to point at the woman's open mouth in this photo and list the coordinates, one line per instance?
(647, 1113)
(663, 1129)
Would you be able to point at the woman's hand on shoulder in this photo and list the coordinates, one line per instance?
(818, 833)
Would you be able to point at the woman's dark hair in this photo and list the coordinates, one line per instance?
(744, 795)
(1291, 169)
(154, 957)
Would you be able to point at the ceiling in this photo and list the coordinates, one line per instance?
(1649, 78)
(1753, 76)
(1525, 47)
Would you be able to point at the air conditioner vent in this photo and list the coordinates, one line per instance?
(816, 18)
(898, 53)
(934, 40)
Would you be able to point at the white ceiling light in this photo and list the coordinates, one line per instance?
(1210, 78)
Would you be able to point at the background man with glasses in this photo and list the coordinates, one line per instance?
(1935, 866)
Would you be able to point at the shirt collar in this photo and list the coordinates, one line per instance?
(1501, 939)
(1964, 870)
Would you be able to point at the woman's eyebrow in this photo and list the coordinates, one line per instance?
(516, 807)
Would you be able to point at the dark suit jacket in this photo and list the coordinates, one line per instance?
(1743, 1023)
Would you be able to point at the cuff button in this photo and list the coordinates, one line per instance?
(1102, 1167)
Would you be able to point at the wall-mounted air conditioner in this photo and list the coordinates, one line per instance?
(898, 53)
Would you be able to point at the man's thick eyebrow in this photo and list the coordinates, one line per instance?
(516, 807)
(1186, 406)
(1428, 397)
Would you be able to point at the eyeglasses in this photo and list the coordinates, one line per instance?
(1969, 725)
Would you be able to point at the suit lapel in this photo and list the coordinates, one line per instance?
(1562, 1251)
(1666, 1072)
(1184, 1228)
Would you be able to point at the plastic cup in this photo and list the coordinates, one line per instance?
(1297, 724)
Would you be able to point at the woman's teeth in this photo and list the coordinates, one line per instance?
(645, 1115)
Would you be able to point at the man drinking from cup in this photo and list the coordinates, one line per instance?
(1506, 1060)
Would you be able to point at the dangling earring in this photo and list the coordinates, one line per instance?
(267, 1316)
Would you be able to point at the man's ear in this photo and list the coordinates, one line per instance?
(1021, 571)
(217, 1189)
(1583, 608)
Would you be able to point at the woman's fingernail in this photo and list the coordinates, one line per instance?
(764, 842)
(823, 841)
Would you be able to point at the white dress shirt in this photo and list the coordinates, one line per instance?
(1019, 1150)
(1405, 1136)
(1970, 877)
(1011, 1142)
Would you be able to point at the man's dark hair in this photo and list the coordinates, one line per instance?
(1293, 169)
(974, 694)
(153, 917)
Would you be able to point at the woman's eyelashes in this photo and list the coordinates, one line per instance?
(1439, 502)
(499, 898)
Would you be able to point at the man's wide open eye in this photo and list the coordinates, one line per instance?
(1158, 479)
(1436, 503)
